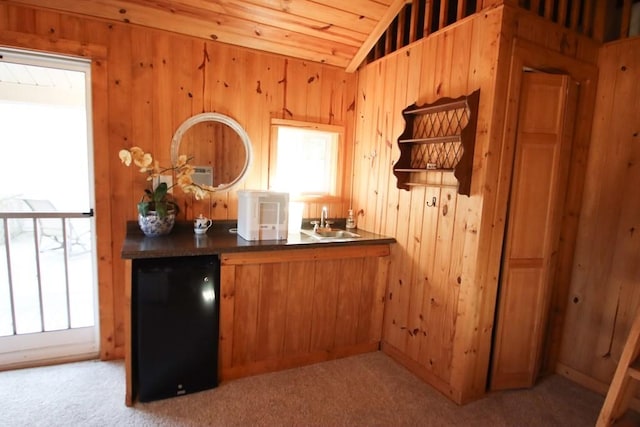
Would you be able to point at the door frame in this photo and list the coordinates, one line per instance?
(100, 111)
(61, 341)
(526, 54)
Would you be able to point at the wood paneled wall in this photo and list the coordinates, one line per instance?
(155, 80)
(445, 267)
(604, 295)
(432, 285)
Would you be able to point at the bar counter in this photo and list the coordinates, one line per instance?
(220, 238)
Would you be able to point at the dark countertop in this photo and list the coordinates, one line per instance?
(183, 242)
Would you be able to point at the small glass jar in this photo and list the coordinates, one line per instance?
(351, 222)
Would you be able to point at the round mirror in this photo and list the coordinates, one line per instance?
(219, 149)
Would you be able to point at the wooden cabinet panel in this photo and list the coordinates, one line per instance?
(325, 299)
(245, 317)
(289, 308)
(348, 302)
(298, 315)
(271, 310)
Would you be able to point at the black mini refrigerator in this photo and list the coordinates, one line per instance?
(175, 310)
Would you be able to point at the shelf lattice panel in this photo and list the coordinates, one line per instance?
(438, 124)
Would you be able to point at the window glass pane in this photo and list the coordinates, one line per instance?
(44, 127)
(306, 161)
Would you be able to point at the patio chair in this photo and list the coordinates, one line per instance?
(51, 228)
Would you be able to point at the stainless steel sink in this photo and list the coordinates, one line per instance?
(331, 235)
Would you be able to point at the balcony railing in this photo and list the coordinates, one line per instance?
(37, 273)
(601, 20)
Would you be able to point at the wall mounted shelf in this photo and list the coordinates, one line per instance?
(438, 137)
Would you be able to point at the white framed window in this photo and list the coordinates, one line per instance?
(306, 159)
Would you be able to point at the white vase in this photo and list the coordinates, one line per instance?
(152, 225)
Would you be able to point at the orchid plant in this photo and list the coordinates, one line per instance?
(158, 199)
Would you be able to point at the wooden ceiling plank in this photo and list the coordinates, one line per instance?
(277, 18)
(323, 13)
(265, 15)
(232, 30)
(292, 44)
(179, 7)
(336, 33)
(370, 9)
(380, 28)
(226, 26)
(311, 27)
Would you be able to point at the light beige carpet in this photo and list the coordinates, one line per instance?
(365, 390)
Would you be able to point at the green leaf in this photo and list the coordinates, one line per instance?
(143, 208)
(161, 209)
(160, 192)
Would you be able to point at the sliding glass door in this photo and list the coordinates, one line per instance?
(48, 291)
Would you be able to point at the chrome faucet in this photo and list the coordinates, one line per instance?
(323, 217)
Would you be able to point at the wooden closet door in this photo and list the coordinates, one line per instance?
(541, 166)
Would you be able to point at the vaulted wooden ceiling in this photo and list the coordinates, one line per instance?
(336, 32)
